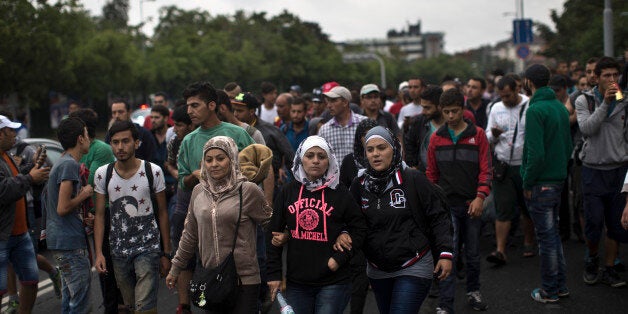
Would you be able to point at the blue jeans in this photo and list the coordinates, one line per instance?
(404, 294)
(332, 299)
(543, 207)
(19, 251)
(75, 280)
(138, 280)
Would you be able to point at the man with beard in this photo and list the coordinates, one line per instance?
(420, 128)
(475, 102)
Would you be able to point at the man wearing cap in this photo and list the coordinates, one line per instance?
(415, 87)
(15, 242)
(403, 98)
(339, 132)
(245, 106)
(371, 102)
(546, 151)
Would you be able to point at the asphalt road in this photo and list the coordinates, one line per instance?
(506, 289)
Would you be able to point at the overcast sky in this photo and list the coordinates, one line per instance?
(466, 23)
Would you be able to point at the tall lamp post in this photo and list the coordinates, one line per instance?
(608, 29)
(368, 56)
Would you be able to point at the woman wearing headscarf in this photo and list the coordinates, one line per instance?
(356, 161)
(406, 222)
(314, 209)
(212, 218)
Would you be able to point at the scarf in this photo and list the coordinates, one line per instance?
(218, 187)
(359, 157)
(331, 178)
(377, 181)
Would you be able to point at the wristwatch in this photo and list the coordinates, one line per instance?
(167, 255)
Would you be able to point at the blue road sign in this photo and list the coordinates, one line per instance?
(522, 31)
(523, 51)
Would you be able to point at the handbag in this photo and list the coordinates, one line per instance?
(500, 168)
(218, 288)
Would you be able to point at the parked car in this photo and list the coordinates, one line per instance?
(53, 148)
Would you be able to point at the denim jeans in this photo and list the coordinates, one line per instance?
(404, 294)
(603, 203)
(19, 251)
(75, 280)
(331, 299)
(467, 232)
(543, 207)
(138, 280)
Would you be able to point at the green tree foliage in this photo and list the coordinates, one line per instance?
(579, 32)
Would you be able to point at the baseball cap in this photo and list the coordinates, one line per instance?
(295, 88)
(247, 99)
(328, 86)
(6, 123)
(339, 91)
(317, 95)
(368, 88)
(403, 85)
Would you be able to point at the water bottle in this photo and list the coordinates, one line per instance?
(285, 307)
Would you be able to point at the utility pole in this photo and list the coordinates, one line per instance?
(608, 29)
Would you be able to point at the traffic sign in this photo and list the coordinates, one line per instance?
(522, 31)
(523, 51)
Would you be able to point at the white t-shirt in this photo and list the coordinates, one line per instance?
(409, 110)
(506, 119)
(268, 115)
(134, 229)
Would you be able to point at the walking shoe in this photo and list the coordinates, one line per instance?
(539, 295)
(496, 258)
(56, 282)
(591, 269)
(12, 307)
(619, 266)
(474, 299)
(440, 310)
(611, 278)
(563, 293)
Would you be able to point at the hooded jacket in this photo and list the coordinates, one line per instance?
(605, 143)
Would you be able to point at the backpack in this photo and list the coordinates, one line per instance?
(153, 196)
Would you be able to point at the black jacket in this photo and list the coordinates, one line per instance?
(417, 133)
(401, 226)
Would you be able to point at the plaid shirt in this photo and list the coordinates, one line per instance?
(339, 137)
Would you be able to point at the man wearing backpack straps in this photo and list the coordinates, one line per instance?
(139, 236)
(604, 158)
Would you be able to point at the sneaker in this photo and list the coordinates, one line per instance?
(56, 282)
(440, 310)
(12, 307)
(591, 269)
(539, 295)
(563, 293)
(611, 278)
(474, 299)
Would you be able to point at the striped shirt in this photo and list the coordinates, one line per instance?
(339, 137)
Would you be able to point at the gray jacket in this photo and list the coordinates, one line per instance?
(605, 143)
(11, 189)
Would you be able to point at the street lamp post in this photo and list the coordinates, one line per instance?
(367, 56)
(608, 29)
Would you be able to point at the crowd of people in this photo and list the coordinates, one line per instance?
(322, 195)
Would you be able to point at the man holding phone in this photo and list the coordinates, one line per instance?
(15, 242)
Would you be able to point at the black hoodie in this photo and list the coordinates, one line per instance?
(322, 216)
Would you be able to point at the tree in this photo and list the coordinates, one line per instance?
(579, 30)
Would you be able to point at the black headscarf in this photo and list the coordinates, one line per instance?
(377, 181)
(358, 149)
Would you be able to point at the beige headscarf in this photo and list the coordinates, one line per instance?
(231, 180)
